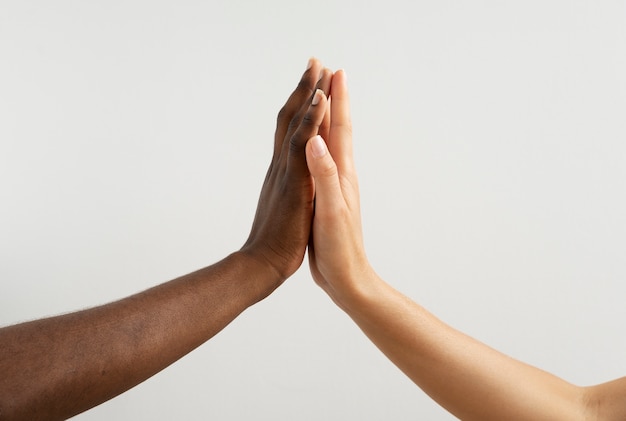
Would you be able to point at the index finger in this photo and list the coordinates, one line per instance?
(294, 103)
(340, 132)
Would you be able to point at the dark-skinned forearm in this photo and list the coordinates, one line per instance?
(57, 367)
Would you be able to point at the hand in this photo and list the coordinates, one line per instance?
(282, 224)
(336, 254)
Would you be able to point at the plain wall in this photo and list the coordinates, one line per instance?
(490, 140)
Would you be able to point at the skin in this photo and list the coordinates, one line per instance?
(57, 367)
(466, 377)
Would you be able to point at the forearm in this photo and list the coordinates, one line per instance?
(57, 367)
(471, 380)
(468, 378)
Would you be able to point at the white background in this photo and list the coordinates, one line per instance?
(489, 139)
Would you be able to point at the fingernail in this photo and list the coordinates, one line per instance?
(310, 63)
(318, 147)
(345, 76)
(322, 73)
(317, 97)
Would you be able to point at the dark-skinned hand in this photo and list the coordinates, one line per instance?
(282, 223)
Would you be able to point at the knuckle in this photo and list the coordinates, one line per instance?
(296, 144)
(284, 114)
(308, 121)
(305, 86)
(328, 168)
(346, 128)
(295, 121)
(292, 127)
(295, 101)
(304, 130)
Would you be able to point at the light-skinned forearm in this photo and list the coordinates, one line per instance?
(471, 380)
(468, 378)
(57, 367)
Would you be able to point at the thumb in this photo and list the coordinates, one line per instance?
(324, 171)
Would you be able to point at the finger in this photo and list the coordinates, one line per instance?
(309, 127)
(325, 81)
(294, 103)
(325, 126)
(340, 132)
(323, 84)
(328, 194)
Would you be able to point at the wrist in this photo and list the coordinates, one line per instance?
(371, 300)
(359, 292)
(263, 278)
